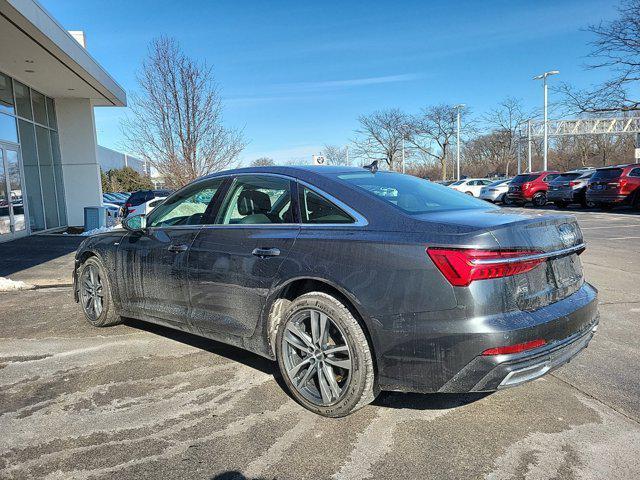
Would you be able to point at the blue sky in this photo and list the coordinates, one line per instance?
(296, 75)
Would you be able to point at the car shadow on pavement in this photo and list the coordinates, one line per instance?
(228, 351)
(427, 401)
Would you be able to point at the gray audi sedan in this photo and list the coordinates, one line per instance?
(354, 280)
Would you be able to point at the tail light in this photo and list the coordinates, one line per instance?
(462, 266)
(526, 185)
(574, 184)
(517, 348)
(624, 183)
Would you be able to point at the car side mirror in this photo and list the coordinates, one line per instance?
(135, 224)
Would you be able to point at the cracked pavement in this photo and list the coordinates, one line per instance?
(141, 401)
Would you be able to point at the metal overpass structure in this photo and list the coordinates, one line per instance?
(579, 126)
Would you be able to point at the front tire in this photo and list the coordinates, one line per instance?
(94, 293)
(324, 356)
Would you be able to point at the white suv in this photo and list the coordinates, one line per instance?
(470, 186)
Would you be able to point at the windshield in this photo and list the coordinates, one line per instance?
(524, 178)
(607, 173)
(410, 194)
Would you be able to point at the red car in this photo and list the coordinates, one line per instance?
(530, 187)
(617, 185)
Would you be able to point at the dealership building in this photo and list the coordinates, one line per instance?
(49, 86)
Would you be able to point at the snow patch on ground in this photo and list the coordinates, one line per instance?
(98, 230)
(8, 285)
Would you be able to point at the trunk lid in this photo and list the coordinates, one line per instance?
(555, 234)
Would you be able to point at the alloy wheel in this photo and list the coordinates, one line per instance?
(317, 358)
(91, 292)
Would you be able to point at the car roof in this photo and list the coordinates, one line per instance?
(622, 165)
(292, 170)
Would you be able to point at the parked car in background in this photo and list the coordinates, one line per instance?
(142, 196)
(617, 185)
(570, 187)
(445, 183)
(146, 207)
(530, 187)
(470, 186)
(496, 192)
(353, 281)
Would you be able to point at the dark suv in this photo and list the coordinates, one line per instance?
(617, 185)
(570, 187)
(530, 187)
(141, 196)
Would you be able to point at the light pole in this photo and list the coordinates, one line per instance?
(543, 77)
(458, 107)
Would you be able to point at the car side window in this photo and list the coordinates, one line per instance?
(257, 199)
(634, 173)
(186, 207)
(549, 177)
(316, 209)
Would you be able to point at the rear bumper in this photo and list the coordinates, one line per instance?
(491, 196)
(445, 354)
(518, 197)
(562, 196)
(494, 372)
(597, 197)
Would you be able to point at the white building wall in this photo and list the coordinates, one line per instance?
(109, 159)
(78, 149)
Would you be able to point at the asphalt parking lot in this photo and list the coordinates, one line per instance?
(139, 401)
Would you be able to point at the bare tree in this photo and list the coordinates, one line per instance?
(505, 120)
(336, 155)
(616, 47)
(263, 162)
(379, 136)
(176, 119)
(432, 132)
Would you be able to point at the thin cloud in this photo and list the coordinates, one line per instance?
(301, 91)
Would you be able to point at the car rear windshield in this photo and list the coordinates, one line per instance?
(566, 177)
(410, 194)
(527, 177)
(607, 173)
(498, 182)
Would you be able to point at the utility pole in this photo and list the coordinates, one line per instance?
(543, 77)
(347, 149)
(458, 107)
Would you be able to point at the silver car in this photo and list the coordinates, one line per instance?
(495, 192)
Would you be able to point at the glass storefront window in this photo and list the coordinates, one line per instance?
(35, 184)
(39, 108)
(31, 175)
(47, 178)
(23, 100)
(6, 94)
(51, 113)
(8, 131)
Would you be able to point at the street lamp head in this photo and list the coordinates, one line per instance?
(546, 74)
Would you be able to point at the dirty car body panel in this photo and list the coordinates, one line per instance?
(425, 334)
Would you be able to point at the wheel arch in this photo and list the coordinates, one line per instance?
(285, 293)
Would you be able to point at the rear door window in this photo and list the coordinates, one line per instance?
(316, 209)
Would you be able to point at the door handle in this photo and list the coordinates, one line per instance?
(266, 252)
(178, 248)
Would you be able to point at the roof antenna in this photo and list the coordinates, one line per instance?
(372, 167)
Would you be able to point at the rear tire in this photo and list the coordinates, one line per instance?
(331, 384)
(469, 193)
(539, 199)
(94, 293)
